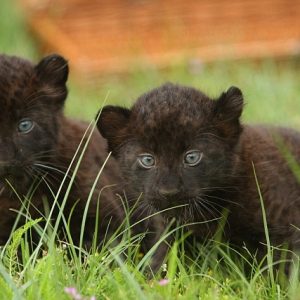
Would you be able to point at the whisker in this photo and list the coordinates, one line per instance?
(49, 168)
(223, 199)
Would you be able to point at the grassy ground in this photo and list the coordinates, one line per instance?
(216, 272)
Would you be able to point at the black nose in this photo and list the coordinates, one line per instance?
(168, 192)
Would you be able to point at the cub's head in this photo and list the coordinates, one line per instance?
(176, 146)
(31, 101)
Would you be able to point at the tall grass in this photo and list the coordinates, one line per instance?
(56, 269)
(215, 272)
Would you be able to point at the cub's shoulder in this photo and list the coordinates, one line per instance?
(264, 140)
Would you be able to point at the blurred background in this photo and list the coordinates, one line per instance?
(119, 49)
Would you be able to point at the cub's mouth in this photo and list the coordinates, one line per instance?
(9, 182)
(170, 207)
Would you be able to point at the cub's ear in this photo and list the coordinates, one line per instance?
(112, 123)
(230, 104)
(53, 69)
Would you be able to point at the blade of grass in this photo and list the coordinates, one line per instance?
(266, 230)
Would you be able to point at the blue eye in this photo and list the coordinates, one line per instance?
(193, 158)
(25, 126)
(146, 161)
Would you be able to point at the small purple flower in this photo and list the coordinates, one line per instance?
(72, 291)
(163, 282)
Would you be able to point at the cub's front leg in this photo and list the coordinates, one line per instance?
(157, 240)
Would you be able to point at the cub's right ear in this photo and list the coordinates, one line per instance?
(53, 69)
(112, 123)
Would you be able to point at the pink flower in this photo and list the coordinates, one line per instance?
(163, 282)
(72, 291)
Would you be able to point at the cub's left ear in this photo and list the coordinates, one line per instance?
(230, 104)
(53, 69)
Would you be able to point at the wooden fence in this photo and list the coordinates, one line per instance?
(114, 36)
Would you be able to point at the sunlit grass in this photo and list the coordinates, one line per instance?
(209, 271)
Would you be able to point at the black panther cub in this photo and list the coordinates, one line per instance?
(178, 148)
(37, 144)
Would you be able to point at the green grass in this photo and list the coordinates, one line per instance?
(272, 95)
(212, 271)
(271, 91)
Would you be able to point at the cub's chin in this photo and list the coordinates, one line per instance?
(191, 209)
(169, 208)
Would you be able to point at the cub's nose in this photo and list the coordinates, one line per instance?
(168, 192)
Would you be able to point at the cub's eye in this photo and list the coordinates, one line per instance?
(25, 125)
(146, 161)
(193, 158)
